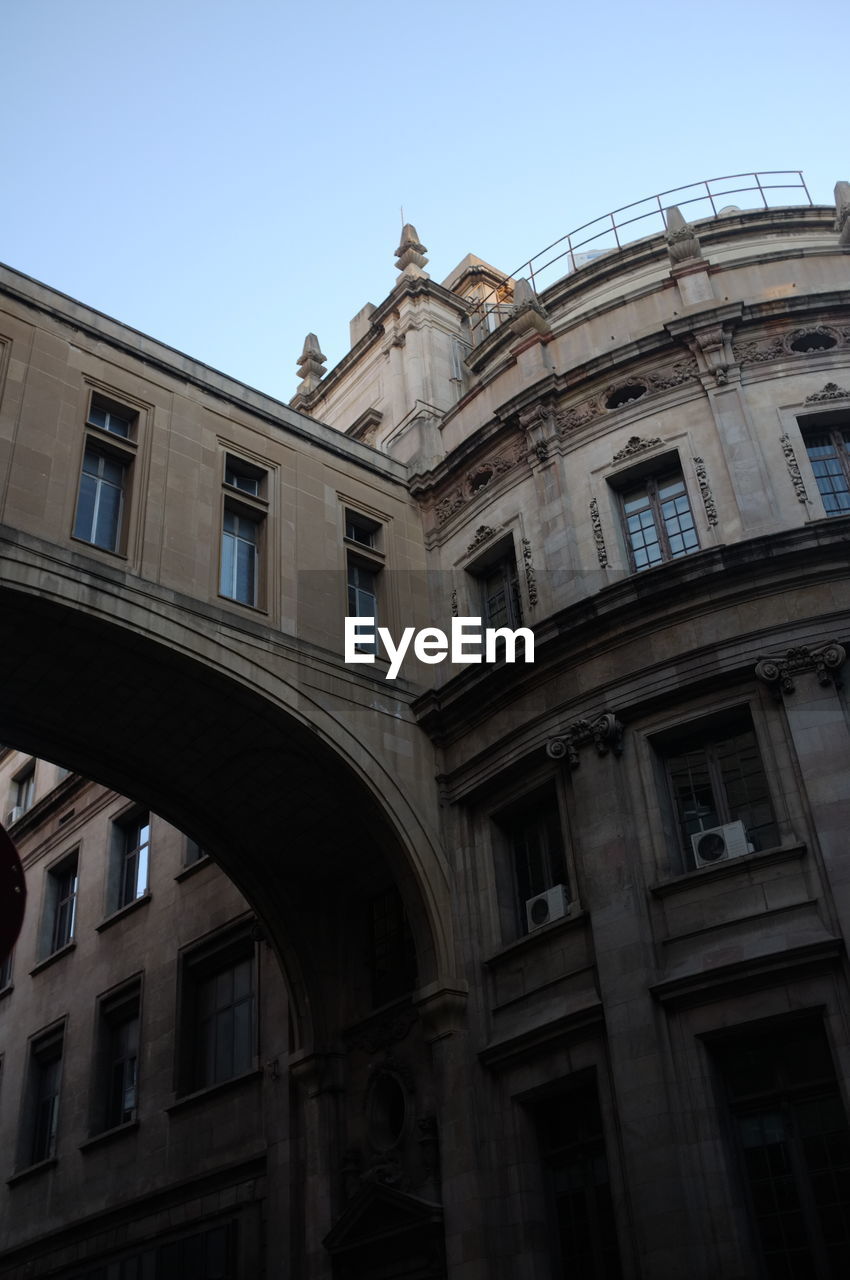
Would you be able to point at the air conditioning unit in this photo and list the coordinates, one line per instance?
(548, 906)
(14, 814)
(719, 844)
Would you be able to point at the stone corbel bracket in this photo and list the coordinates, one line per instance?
(605, 732)
(825, 660)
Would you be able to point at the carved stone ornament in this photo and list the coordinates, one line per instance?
(482, 534)
(598, 536)
(539, 421)
(636, 444)
(454, 603)
(825, 660)
(682, 242)
(379, 1033)
(527, 313)
(605, 732)
(830, 392)
(755, 352)
(311, 365)
(793, 468)
(579, 416)
(530, 579)
(476, 480)
(410, 254)
(705, 491)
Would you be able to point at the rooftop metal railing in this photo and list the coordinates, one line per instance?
(606, 233)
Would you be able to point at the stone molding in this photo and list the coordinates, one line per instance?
(677, 374)
(831, 391)
(598, 535)
(483, 534)
(530, 577)
(793, 467)
(635, 445)
(824, 660)
(477, 479)
(605, 733)
(705, 491)
(759, 350)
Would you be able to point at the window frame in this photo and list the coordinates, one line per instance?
(23, 782)
(37, 1144)
(200, 964)
(251, 507)
(831, 425)
(116, 1009)
(498, 558)
(367, 557)
(108, 445)
(544, 802)
(51, 941)
(122, 826)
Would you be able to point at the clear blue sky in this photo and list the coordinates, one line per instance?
(228, 176)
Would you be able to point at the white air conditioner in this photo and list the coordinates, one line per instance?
(719, 844)
(14, 814)
(548, 906)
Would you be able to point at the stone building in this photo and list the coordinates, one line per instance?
(546, 962)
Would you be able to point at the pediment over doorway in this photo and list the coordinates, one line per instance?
(387, 1234)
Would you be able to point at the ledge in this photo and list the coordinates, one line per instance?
(52, 958)
(537, 937)
(748, 975)
(188, 1100)
(506, 1053)
(32, 1171)
(7, 990)
(108, 1135)
(192, 867)
(127, 910)
(707, 875)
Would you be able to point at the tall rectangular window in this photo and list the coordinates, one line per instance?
(6, 971)
(117, 1072)
(60, 908)
(218, 1012)
(244, 514)
(581, 1206)
(110, 447)
(364, 564)
(132, 854)
(829, 454)
(501, 604)
(535, 837)
(658, 521)
(792, 1145)
(41, 1115)
(717, 778)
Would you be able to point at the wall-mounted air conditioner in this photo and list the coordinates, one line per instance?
(548, 906)
(14, 814)
(719, 844)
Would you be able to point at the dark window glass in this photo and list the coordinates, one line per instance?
(537, 845)
(574, 1157)
(120, 1061)
(658, 521)
(793, 1145)
(224, 1023)
(239, 557)
(501, 603)
(100, 501)
(717, 778)
(45, 1076)
(134, 852)
(358, 529)
(363, 599)
(829, 454)
(242, 477)
(63, 893)
(119, 424)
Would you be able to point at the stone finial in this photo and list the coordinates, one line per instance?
(410, 254)
(527, 311)
(311, 365)
(682, 243)
(842, 213)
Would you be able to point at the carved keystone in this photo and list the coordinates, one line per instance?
(605, 732)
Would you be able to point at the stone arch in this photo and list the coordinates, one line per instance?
(166, 701)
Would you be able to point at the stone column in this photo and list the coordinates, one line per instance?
(318, 1079)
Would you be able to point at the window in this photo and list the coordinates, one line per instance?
(363, 567)
(218, 1018)
(245, 510)
(193, 852)
(131, 852)
(535, 837)
(658, 521)
(60, 907)
(392, 956)
(109, 453)
(716, 778)
(23, 792)
(792, 1145)
(117, 1068)
(208, 1254)
(42, 1099)
(501, 604)
(829, 454)
(581, 1207)
(6, 971)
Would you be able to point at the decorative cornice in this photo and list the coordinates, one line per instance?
(483, 534)
(605, 732)
(705, 491)
(793, 468)
(825, 660)
(598, 536)
(530, 579)
(636, 444)
(829, 392)
(477, 479)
